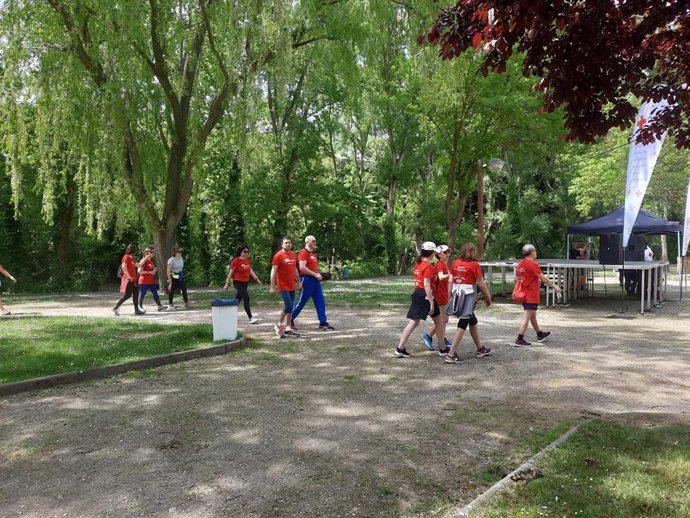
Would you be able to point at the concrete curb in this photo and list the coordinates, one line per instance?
(44, 382)
(463, 512)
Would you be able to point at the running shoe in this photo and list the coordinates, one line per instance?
(188, 305)
(484, 351)
(521, 342)
(443, 352)
(453, 359)
(139, 312)
(326, 327)
(401, 353)
(116, 311)
(141, 308)
(447, 342)
(292, 333)
(541, 336)
(253, 320)
(279, 328)
(6, 312)
(427, 341)
(162, 308)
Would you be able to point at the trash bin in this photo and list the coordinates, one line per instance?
(224, 314)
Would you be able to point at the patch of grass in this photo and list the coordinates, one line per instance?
(41, 346)
(607, 469)
(349, 377)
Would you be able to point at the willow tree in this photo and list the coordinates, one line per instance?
(134, 88)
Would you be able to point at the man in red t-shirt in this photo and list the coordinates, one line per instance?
(284, 270)
(529, 272)
(308, 266)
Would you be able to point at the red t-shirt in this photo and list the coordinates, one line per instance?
(241, 269)
(287, 266)
(466, 272)
(423, 270)
(529, 271)
(441, 292)
(311, 258)
(146, 273)
(130, 264)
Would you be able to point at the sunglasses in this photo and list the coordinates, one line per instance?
(245, 251)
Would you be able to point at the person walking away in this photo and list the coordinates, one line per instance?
(176, 280)
(308, 266)
(4, 311)
(147, 279)
(128, 283)
(422, 302)
(240, 272)
(284, 273)
(529, 272)
(440, 288)
(465, 271)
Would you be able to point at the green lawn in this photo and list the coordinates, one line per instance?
(39, 346)
(607, 470)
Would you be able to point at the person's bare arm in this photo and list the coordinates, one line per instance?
(543, 278)
(306, 271)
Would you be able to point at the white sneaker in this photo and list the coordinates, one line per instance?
(253, 320)
(6, 312)
(279, 328)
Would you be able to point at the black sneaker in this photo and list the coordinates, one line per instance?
(542, 336)
(521, 342)
(139, 312)
(484, 351)
(402, 353)
(326, 327)
(290, 332)
(453, 359)
(443, 352)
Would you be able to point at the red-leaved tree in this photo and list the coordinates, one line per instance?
(589, 56)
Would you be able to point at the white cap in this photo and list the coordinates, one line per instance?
(429, 245)
(441, 248)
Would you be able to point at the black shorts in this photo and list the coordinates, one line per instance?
(419, 306)
(464, 322)
(529, 306)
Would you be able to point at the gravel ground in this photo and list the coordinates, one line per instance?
(330, 424)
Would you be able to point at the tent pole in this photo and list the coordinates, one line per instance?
(567, 246)
(623, 286)
(682, 266)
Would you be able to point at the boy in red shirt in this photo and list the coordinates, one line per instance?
(284, 270)
(531, 275)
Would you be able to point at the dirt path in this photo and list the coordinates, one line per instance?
(330, 424)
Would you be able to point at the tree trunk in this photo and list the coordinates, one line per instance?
(163, 241)
(62, 248)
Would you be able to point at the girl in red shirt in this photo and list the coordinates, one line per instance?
(466, 270)
(440, 289)
(240, 273)
(147, 280)
(128, 284)
(423, 302)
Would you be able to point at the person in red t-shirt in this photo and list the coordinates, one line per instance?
(147, 279)
(240, 272)
(308, 266)
(423, 303)
(439, 286)
(128, 283)
(284, 271)
(531, 275)
(466, 271)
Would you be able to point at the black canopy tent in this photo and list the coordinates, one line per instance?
(612, 223)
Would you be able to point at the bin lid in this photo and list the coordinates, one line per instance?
(225, 302)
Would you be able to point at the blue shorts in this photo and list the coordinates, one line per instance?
(288, 300)
(530, 307)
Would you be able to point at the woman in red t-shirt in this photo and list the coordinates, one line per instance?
(147, 280)
(128, 283)
(439, 286)
(423, 303)
(529, 271)
(466, 270)
(240, 273)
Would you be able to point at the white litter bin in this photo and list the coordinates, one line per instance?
(224, 314)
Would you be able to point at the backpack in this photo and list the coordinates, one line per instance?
(119, 271)
(519, 291)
